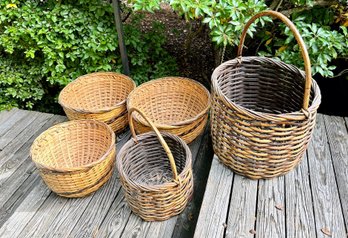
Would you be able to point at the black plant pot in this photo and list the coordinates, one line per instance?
(334, 93)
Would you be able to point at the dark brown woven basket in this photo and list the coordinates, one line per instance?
(263, 111)
(155, 188)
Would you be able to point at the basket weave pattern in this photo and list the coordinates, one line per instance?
(100, 96)
(258, 127)
(75, 158)
(176, 105)
(156, 188)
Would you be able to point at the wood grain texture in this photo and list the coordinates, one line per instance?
(116, 219)
(16, 129)
(25, 211)
(16, 116)
(5, 114)
(212, 217)
(186, 222)
(16, 167)
(136, 227)
(338, 143)
(270, 220)
(299, 209)
(241, 217)
(327, 207)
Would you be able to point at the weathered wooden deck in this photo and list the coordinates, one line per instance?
(308, 202)
(29, 209)
(311, 201)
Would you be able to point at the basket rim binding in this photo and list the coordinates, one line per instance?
(67, 124)
(180, 123)
(100, 110)
(123, 152)
(150, 187)
(299, 115)
(296, 115)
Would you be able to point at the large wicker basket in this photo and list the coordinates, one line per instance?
(175, 104)
(155, 173)
(263, 111)
(75, 158)
(100, 96)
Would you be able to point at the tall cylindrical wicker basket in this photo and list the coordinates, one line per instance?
(156, 173)
(263, 111)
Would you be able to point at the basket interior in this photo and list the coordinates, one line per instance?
(146, 162)
(96, 91)
(263, 85)
(72, 144)
(169, 100)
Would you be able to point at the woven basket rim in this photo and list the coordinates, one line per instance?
(154, 187)
(296, 115)
(180, 123)
(100, 110)
(82, 167)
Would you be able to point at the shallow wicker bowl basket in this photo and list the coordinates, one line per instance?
(156, 174)
(100, 96)
(176, 105)
(75, 158)
(263, 111)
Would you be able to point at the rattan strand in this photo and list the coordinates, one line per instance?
(156, 188)
(100, 96)
(75, 158)
(258, 127)
(176, 105)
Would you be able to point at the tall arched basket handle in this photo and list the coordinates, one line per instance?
(159, 136)
(304, 52)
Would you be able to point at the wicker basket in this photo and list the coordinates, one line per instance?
(156, 188)
(176, 105)
(258, 127)
(75, 158)
(100, 96)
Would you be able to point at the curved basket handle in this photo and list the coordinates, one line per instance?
(159, 136)
(299, 40)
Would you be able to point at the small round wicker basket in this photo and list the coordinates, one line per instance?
(156, 174)
(176, 105)
(75, 158)
(100, 96)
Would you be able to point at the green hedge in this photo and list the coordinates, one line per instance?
(46, 44)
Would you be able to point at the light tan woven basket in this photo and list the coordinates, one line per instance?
(75, 158)
(176, 105)
(258, 127)
(155, 172)
(100, 96)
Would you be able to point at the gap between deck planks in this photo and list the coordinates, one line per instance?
(32, 210)
(307, 200)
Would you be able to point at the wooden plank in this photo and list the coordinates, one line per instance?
(80, 215)
(15, 224)
(270, 221)
(16, 116)
(186, 222)
(136, 227)
(327, 208)
(12, 173)
(16, 151)
(299, 207)
(16, 129)
(116, 219)
(338, 142)
(4, 115)
(213, 214)
(17, 185)
(241, 217)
